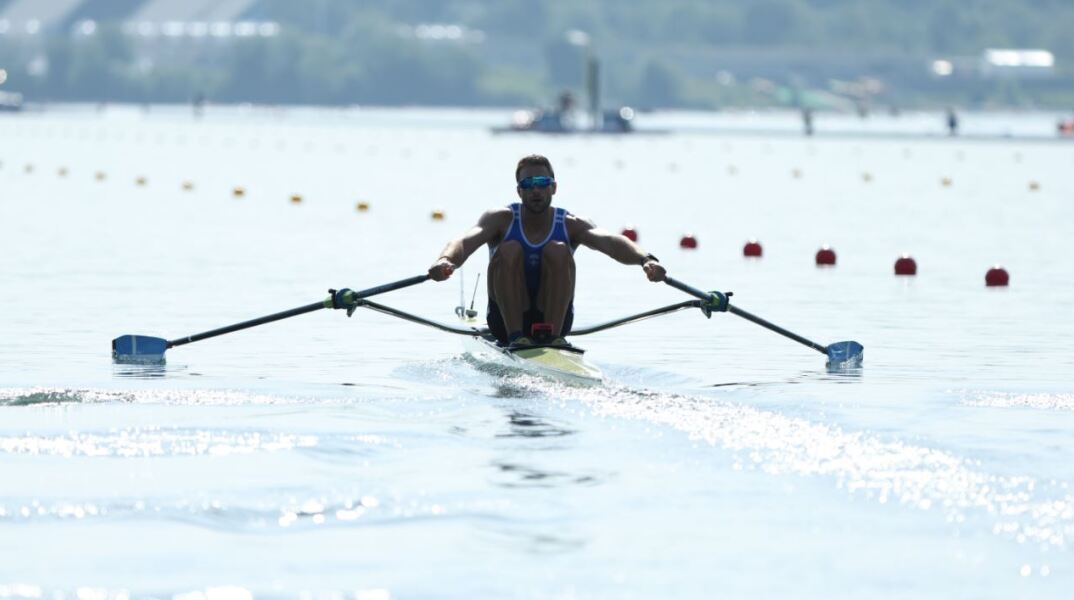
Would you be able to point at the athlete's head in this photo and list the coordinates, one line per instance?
(536, 182)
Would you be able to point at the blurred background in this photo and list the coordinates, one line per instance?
(844, 55)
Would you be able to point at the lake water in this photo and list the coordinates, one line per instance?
(370, 458)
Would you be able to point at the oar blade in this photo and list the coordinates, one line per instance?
(845, 354)
(138, 349)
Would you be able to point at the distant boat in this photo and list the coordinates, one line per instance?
(1066, 128)
(559, 121)
(10, 102)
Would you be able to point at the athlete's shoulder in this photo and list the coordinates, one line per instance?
(573, 220)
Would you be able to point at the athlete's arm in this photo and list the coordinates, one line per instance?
(614, 245)
(491, 226)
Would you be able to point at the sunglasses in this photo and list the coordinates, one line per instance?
(539, 182)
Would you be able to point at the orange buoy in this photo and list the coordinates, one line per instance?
(630, 233)
(825, 256)
(362, 206)
(238, 191)
(688, 241)
(905, 265)
(997, 276)
(752, 249)
(438, 215)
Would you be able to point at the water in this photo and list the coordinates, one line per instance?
(370, 458)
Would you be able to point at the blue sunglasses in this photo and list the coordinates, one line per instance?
(539, 182)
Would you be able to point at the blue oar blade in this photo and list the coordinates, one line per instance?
(845, 354)
(138, 349)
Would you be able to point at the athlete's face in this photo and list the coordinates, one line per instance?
(536, 199)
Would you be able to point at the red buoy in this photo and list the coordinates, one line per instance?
(688, 241)
(752, 249)
(630, 233)
(825, 256)
(905, 265)
(997, 276)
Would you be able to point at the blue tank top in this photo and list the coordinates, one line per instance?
(531, 253)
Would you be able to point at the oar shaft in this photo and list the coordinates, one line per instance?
(776, 328)
(748, 316)
(301, 310)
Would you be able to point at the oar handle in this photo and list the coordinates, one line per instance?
(707, 297)
(301, 310)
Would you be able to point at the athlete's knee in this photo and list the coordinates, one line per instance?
(556, 254)
(508, 252)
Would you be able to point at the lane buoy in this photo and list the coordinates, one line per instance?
(238, 191)
(688, 241)
(796, 173)
(438, 215)
(140, 181)
(905, 265)
(296, 198)
(61, 172)
(100, 176)
(28, 168)
(362, 206)
(188, 185)
(946, 182)
(732, 170)
(866, 177)
(1034, 186)
(630, 233)
(825, 256)
(997, 276)
(752, 249)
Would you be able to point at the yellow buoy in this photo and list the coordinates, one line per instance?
(946, 182)
(188, 185)
(438, 215)
(238, 191)
(296, 198)
(362, 206)
(140, 181)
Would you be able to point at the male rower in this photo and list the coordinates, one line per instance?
(531, 262)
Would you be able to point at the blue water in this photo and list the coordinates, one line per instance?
(369, 457)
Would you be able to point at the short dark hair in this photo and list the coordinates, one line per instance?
(534, 160)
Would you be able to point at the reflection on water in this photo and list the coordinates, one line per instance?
(531, 426)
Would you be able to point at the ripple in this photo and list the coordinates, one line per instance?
(1019, 507)
(1040, 401)
(43, 395)
(154, 441)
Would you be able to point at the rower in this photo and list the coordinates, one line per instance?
(531, 271)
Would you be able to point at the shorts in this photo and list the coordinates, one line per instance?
(531, 316)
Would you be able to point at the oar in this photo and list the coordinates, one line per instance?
(148, 349)
(839, 353)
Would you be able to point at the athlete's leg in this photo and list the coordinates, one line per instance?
(507, 284)
(557, 284)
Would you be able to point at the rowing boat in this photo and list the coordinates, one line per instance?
(567, 365)
(558, 362)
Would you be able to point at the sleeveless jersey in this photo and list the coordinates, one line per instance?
(531, 253)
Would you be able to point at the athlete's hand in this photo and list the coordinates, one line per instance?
(441, 270)
(654, 271)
